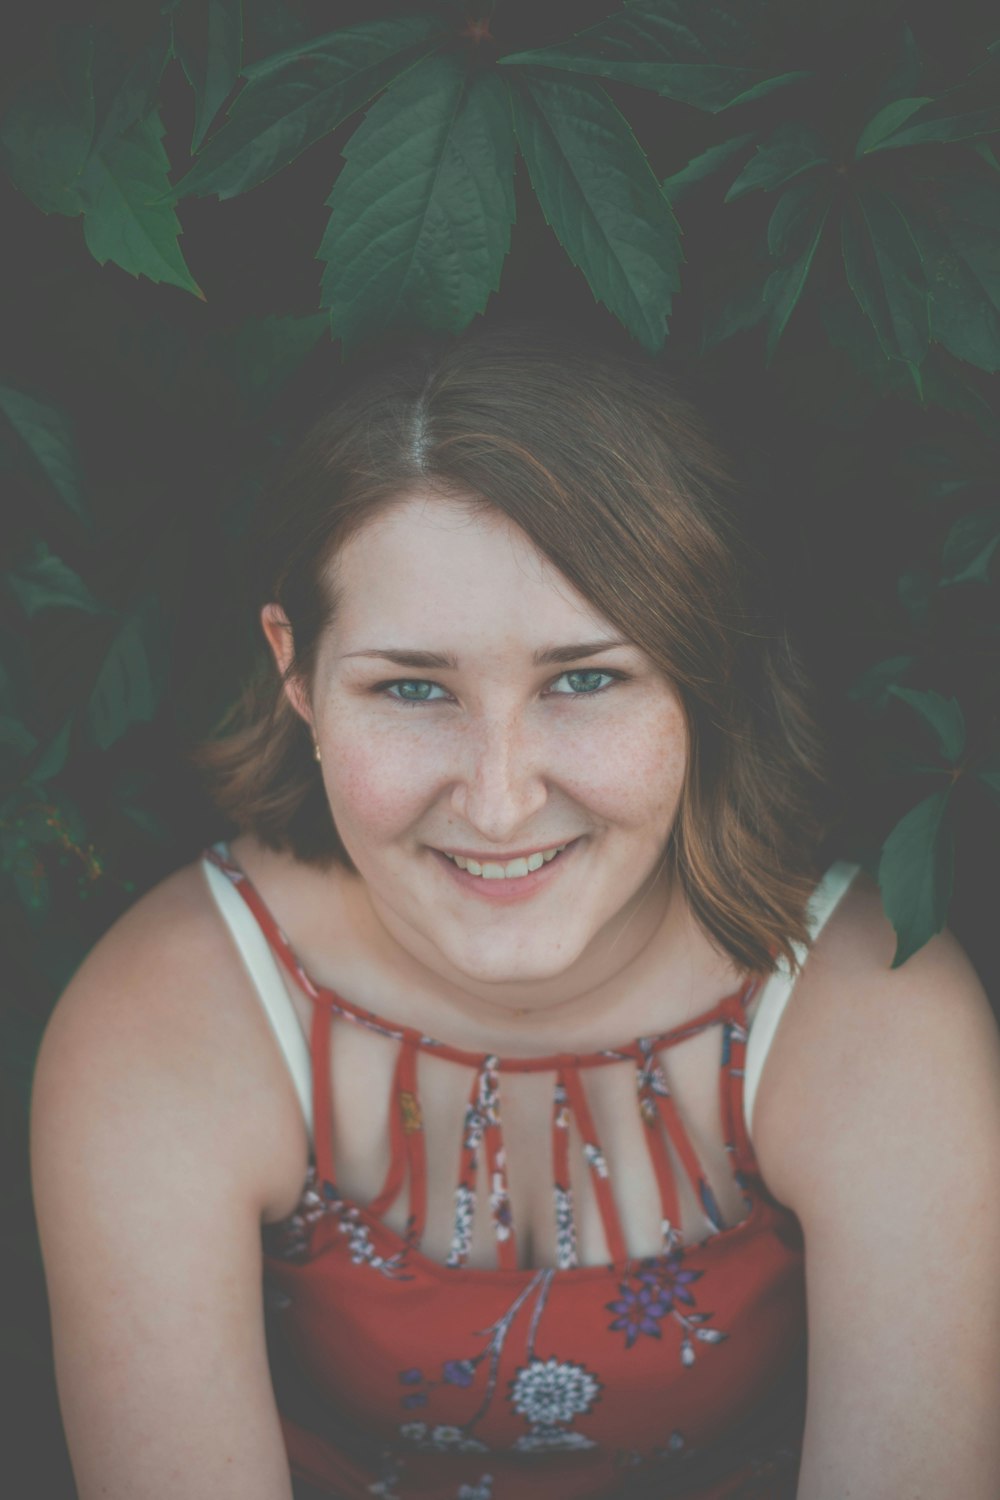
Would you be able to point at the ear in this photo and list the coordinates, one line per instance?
(278, 632)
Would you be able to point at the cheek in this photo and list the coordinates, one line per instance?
(376, 780)
(634, 771)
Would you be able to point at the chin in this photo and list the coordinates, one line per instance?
(497, 966)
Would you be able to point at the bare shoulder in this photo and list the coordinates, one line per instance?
(159, 1023)
(861, 1041)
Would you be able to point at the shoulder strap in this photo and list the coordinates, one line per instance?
(262, 967)
(778, 988)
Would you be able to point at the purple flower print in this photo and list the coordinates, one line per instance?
(458, 1371)
(651, 1295)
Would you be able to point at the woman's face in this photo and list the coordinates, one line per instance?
(468, 702)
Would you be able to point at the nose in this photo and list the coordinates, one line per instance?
(501, 784)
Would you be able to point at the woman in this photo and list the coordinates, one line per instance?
(467, 1027)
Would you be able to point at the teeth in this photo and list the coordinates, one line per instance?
(513, 870)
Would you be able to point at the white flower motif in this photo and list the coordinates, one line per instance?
(481, 1490)
(455, 1440)
(547, 1391)
(542, 1439)
(461, 1239)
(595, 1159)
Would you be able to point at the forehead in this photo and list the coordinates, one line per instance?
(429, 562)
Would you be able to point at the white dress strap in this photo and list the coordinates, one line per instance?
(778, 988)
(262, 966)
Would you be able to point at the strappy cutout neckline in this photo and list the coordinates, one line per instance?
(731, 1005)
(482, 1129)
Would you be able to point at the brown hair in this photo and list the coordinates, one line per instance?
(593, 453)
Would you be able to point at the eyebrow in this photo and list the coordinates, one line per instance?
(433, 659)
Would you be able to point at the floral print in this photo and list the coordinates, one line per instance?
(497, 1371)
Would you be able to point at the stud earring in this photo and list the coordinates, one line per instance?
(316, 750)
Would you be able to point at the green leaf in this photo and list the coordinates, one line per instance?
(740, 312)
(265, 352)
(885, 273)
(212, 63)
(915, 874)
(47, 434)
(885, 122)
(790, 150)
(786, 283)
(704, 165)
(599, 194)
(125, 692)
(125, 219)
(125, 89)
(942, 715)
(953, 128)
(970, 547)
(48, 129)
(678, 50)
(295, 99)
(44, 581)
(17, 736)
(53, 757)
(961, 262)
(873, 686)
(421, 212)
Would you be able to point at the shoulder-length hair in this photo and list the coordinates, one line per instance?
(611, 472)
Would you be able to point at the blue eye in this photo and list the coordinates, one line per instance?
(583, 683)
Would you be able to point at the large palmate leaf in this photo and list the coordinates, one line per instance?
(943, 716)
(885, 273)
(421, 212)
(295, 99)
(691, 52)
(126, 217)
(46, 433)
(790, 150)
(211, 60)
(915, 874)
(888, 119)
(48, 130)
(599, 194)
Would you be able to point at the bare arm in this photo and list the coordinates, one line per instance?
(894, 1172)
(150, 1237)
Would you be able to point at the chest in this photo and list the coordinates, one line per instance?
(364, 1093)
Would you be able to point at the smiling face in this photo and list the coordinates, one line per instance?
(467, 699)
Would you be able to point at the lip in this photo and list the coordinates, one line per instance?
(504, 859)
(506, 892)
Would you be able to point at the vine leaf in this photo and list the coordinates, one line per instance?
(916, 872)
(885, 273)
(873, 685)
(294, 99)
(211, 64)
(668, 46)
(942, 715)
(125, 216)
(704, 165)
(47, 435)
(951, 128)
(421, 211)
(970, 547)
(125, 90)
(48, 130)
(598, 193)
(790, 150)
(960, 248)
(44, 581)
(885, 122)
(126, 690)
(793, 236)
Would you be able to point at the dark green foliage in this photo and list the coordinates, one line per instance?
(855, 200)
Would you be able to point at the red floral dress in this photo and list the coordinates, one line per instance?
(680, 1374)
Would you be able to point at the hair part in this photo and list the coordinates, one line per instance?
(595, 455)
